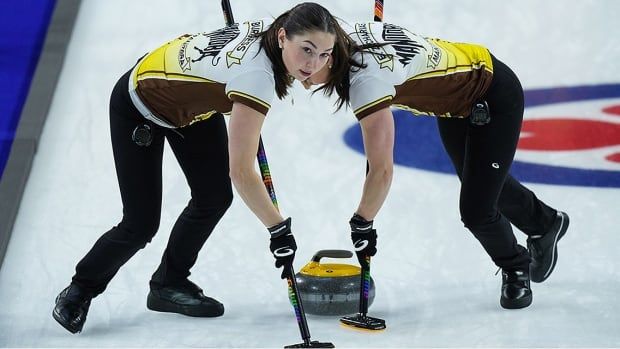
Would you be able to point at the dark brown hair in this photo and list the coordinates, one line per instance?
(303, 18)
(342, 63)
(307, 17)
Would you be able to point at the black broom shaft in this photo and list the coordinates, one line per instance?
(227, 10)
(230, 20)
(301, 317)
(363, 309)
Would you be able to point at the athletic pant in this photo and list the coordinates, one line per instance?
(202, 152)
(490, 197)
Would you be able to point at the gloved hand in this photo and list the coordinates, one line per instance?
(283, 246)
(364, 238)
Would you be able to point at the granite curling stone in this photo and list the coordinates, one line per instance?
(331, 289)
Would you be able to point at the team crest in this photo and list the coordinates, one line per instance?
(206, 45)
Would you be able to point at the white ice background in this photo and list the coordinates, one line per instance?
(435, 285)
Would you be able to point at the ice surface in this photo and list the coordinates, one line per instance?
(435, 285)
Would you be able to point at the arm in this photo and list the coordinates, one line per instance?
(244, 132)
(378, 135)
(243, 135)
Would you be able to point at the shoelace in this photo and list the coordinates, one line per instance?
(518, 273)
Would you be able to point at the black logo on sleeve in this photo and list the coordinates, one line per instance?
(406, 48)
(365, 36)
(206, 45)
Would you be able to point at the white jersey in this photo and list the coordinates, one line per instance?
(426, 76)
(194, 76)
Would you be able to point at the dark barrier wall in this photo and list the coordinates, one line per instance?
(23, 25)
(27, 72)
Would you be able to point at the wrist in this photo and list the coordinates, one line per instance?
(280, 229)
(359, 217)
(359, 224)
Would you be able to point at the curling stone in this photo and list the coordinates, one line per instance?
(331, 289)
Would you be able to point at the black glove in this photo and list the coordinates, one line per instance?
(283, 246)
(364, 238)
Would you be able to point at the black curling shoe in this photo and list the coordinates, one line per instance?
(187, 300)
(544, 249)
(516, 292)
(72, 307)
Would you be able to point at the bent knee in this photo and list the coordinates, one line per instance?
(208, 208)
(475, 217)
(134, 234)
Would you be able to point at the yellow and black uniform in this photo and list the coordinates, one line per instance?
(195, 76)
(179, 91)
(441, 78)
(425, 76)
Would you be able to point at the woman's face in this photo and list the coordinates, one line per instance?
(318, 78)
(307, 53)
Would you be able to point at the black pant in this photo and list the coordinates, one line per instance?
(202, 153)
(490, 197)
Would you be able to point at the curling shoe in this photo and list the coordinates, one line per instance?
(72, 307)
(187, 300)
(516, 292)
(544, 249)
